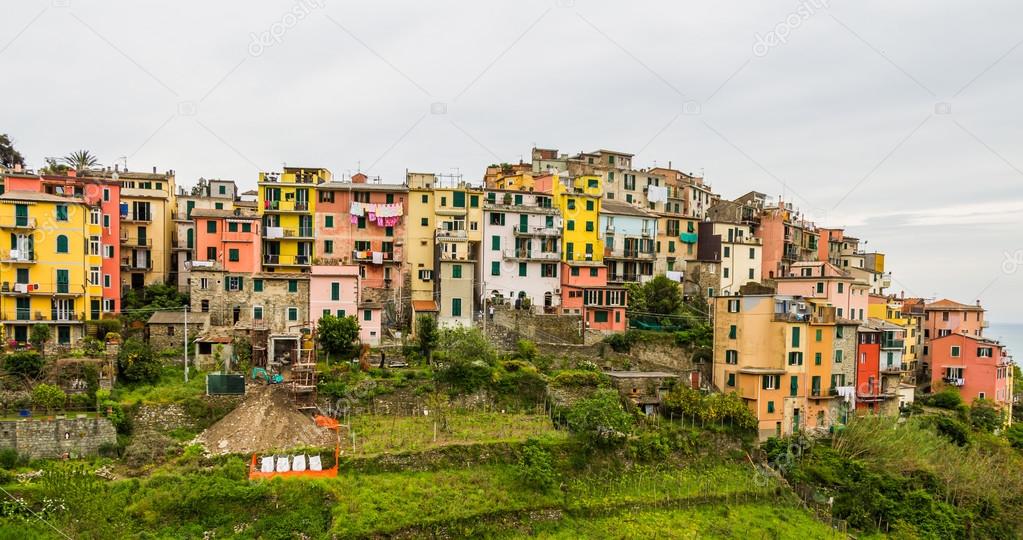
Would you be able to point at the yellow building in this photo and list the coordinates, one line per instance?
(51, 265)
(287, 201)
(889, 309)
(778, 354)
(579, 199)
(444, 232)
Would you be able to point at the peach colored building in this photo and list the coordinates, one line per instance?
(977, 366)
(336, 290)
(227, 239)
(822, 280)
(945, 317)
(584, 291)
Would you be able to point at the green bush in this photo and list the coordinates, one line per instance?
(525, 350)
(519, 380)
(48, 396)
(27, 364)
(466, 375)
(39, 335)
(137, 364)
(536, 466)
(952, 429)
(600, 421)
(9, 458)
(984, 416)
(621, 342)
(106, 326)
(1015, 435)
(948, 398)
(575, 378)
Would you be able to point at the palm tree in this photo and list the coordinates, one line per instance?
(81, 160)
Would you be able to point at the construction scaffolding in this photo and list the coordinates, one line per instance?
(303, 375)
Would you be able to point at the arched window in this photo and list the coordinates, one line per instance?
(62, 244)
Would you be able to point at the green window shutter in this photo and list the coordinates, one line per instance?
(246, 227)
(495, 243)
(518, 199)
(61, 212)
(589, 206)
(328, 246)
(817, 358)
(232, 227)
(62, 244)
(328, 221)
(794, 385)
(211, 226)
(257, 285)
(459, 199)
(731, 332)
(838, 356)
(795, 336)
(522, 269)
(770, 406)
(340, 313)
(456, 271)
(335, 291)
(367, 315)
(523, 221)
(474, 201)
(257, 313)
(589, 226)
(549, 222)
(292, 285)
(456, 307)
(763, 382)
(820, 335)
(570, 225)
(600, 316)
(233, 255)
(495, 268)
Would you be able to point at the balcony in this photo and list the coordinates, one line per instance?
(526, 254)
(140, 217)
(286, 260)
(18, 222)
(954, 381)
(818, 393)
(54, 316)
(456, 256)
(38, 289)
(19, 256)
(285, 206)
(367, 256)
(623, 278)
(300, 232)
(536, 231)
(894, 369)
(451, 234)
(791, 252)
(134, 241)
(893, 344)
(136, 265)
(630, 253)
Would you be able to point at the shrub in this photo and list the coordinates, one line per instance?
(948, 398)
(709, 409)
(520, 380)
(467, 344)
(465, 375)
(525, 350)
(337, 335)
(9, 458)
(426, 335)
(25, 364)
(39, 335)
(536, 466)
(579, 379)
(953, 430)
(48, 396)
(105, 327)
(600, 419)
(137, 364)
(1015, 435)
(622, 342)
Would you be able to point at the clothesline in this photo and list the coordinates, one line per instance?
(384, 215)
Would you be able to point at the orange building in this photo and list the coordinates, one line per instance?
(978, 367)
(227, 240)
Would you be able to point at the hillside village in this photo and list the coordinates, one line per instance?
(545, 323)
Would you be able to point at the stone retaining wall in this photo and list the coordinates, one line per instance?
(77, 437)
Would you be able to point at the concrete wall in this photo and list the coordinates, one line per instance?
(53, 438)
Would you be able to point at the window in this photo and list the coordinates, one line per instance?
(839, 331)
(361, 222)
(794, 385)
(211, 226)
(817, 358)
(495, 268)
(522, 269)
(292, 313)
(732, 331)
(589, 205)
(292, 285)
(727, 252)
(367, 315)
(600, 316)
(93, 245)
(770, 382)
(257, 285)
(841, 288)
(575, 270)
(731, 357)
(724, 272)
(795, 336)
(795, 358)
(819, 335)
(474, 201)
(328, 221)
(61, 212)
(456, 307)
(426, 199)
(955, 351)
(425, 222)
(211, 253)
(233, 255)
(246, 227)
(752, 253)
(495, 243)
(456, 271)
(328, 246)
(838, 356)
(733, 306)
(335, 291)
(731, 379)
(62, 246)
(232, 226)
(570, 225)
(593, 272)
(770, 406)
(589, 226)
(233, 283)
(94, 275)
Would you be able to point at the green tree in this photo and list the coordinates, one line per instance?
(1015, 435)
(426, 335)
(662, 296)
(48, 396)
(9, 156)
(600, 419)
(39, 335)
(27, 364)
(140, 305)
(984, 416)
(81, 160)
(536, 466)
(136, 362)
(337, 335)
(468, 344)
(54, 167)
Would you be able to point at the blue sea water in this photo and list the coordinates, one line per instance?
(1011, 335)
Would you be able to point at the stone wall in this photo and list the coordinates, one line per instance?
(275, 299)
(38, 439)
(547, 328)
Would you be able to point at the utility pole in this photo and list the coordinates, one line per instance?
(185, 308)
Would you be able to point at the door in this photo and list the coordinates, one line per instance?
(63, 335)
(23, 307)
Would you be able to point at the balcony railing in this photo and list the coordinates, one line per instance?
(523, 253)
(18, 223)
(286, 206)
(137, 217)
(536, 231)
(128, 264)
(622, 278)
(19, 256)
(138, 242)
(27, 315)
(451, 234)
(954, 381)
(367, 255)
(286, 260)
(301, 232)
(893, 344)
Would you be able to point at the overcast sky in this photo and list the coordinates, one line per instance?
(900, 121)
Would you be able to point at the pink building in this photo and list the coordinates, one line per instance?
(584, 291)
(336, 290)
(975, 365)
(227, 239)
(825, 281)
(946, 317)
(362, 223)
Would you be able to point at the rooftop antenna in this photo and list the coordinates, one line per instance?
(358, 166)
(124, 161)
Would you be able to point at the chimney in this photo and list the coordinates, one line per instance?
(154, 169)
(117, 167)
(359, 178)
(17, 167)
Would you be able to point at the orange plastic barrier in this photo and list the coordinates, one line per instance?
(322, 421)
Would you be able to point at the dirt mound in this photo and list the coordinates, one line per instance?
(266, 421)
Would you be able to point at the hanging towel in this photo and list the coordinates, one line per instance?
(355, 219)
(378, 257)
(356, 208)
(656, 194)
